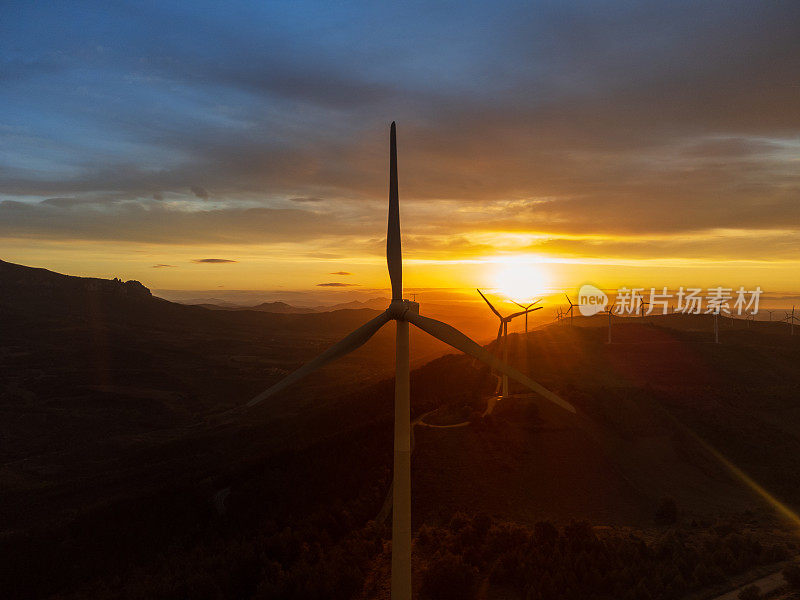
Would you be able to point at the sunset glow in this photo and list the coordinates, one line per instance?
(275, 162)
(522, 282)
(404, 301)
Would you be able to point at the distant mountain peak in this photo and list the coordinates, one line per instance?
(14, 277)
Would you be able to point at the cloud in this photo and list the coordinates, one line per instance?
(644, 119)
(337, 284)
(341, 273)
(66, 202)
(162, 266)
(200, 192)
(150, 221)
(158, 196)
(214, 260)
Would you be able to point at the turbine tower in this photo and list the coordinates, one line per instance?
(403, 312)
(503, 331)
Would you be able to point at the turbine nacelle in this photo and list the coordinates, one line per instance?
(399, 309)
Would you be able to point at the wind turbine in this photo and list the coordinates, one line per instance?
(790, 318)
(503, 331)
(570, 309)
(610, 311)
(403, 312)
(526, 309)
(716, 325)
(642, 303)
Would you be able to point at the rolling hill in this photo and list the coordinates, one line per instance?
(117, 440)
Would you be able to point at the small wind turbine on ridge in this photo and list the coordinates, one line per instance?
(610, 311)
(526, 308)
(790, 318)
(503, 331)
(571, 308)
(642, 303)
(716, 325)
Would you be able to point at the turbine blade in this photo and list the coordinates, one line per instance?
(568, 300)
(394, 254)
(518, 314)
(353, 341)
(452, 336)
(494, 310)
(518, 304)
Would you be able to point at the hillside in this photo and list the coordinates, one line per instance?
(645, 404)
(116, 441)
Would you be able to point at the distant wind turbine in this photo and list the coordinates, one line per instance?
(503, 331)
(403, 312)
(790, 318)
(526, 308)
(570, 310)
(610, 311)
(642, 303)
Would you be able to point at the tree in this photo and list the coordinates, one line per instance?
(545, 534)
(667, 512)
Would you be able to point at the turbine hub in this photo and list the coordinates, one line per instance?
(399, 308)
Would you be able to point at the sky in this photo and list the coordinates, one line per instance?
(244, 145)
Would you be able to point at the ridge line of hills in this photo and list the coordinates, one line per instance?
(18, 276)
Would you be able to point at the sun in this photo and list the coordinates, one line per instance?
(522, 282)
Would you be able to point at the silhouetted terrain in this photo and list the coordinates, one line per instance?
(116, 446)
(284, 308)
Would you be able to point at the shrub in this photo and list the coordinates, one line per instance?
(751, 592)
(667, 512)
(448, 578)
(791, 573)
(579, 534)
(481, 524)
